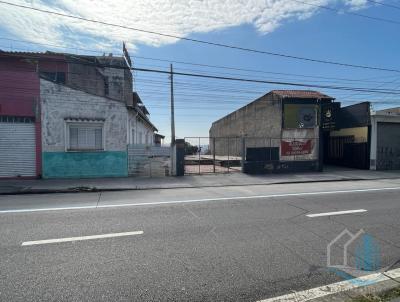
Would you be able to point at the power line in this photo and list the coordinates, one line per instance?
(205, 42)
(349, 13)
(384, 4)
(204, 65)
(262, 81)
(208, 76)
(249, 70)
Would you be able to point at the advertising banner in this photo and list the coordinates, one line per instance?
(296, 147)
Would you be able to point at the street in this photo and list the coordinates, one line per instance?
(211, 244)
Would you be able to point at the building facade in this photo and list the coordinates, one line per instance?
(77, 119)
(385, 139)
(279, 131)
(20, 123)
(83, 135)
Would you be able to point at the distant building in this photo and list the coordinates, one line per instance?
(158, 139)
(65, 115)
(280, 127)
(300, 130)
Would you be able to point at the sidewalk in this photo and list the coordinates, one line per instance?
(193, 181)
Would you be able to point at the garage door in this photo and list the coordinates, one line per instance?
(17, 149)
(388, 149)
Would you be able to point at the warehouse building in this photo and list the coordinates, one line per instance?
(277, 132)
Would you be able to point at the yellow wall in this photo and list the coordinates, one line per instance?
(360, 133)
(291, 114)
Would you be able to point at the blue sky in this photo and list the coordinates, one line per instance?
(275, 25)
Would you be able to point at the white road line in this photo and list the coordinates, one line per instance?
(336, 213)
(81, 238)
(336, 288)
(197, 200)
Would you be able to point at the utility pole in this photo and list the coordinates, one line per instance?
(172, 108)
(173, 151)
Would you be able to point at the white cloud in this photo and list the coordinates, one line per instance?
(177, 17)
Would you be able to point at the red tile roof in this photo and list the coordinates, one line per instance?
(302, 94)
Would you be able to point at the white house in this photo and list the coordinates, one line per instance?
(140, 129)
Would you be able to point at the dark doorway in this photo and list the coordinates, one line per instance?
(345, 151)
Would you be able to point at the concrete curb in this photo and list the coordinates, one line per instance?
(94, 189)
(350, 295)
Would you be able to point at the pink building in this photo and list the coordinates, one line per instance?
(20, 129)
(20, 116)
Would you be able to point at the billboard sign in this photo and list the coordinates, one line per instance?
(296, 147)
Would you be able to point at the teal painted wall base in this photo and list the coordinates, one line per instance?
(84, 164)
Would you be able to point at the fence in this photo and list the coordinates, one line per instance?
(236, 154)
(149, 161)
(347, 151)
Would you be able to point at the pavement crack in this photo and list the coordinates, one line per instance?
(304, 211)
(191, 212)
(98, 200)
(300, 208)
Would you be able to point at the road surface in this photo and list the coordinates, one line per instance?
(209, 244)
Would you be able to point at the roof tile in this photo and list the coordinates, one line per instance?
(301, 94)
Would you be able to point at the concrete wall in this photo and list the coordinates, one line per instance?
(259, 119)
(94, 80)
(119, 79)
(86, 78)
(60, 103)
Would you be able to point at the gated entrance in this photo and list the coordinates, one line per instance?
(346, 151)
(253, 155)
(204, 155)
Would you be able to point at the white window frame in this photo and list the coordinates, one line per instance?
(86, 124)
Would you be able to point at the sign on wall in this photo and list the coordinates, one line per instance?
(296, 147)
(297, 116)
(329, 114)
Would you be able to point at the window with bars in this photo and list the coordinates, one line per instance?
(85, 137)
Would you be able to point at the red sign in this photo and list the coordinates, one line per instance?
(296, 147)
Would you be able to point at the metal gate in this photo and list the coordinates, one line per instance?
(204, 155)
(253, 155)
(17, 148)
(345, 151)
(149, 161)
(388, 146)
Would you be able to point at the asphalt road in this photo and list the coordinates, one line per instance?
(211, 244)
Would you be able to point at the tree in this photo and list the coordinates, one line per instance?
(190, 149)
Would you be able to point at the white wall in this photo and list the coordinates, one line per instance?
(141, 130)
(59, 102)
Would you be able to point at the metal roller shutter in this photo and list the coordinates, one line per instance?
(388, 151)
(17, 149)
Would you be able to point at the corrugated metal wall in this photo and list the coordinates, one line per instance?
(17, 149)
